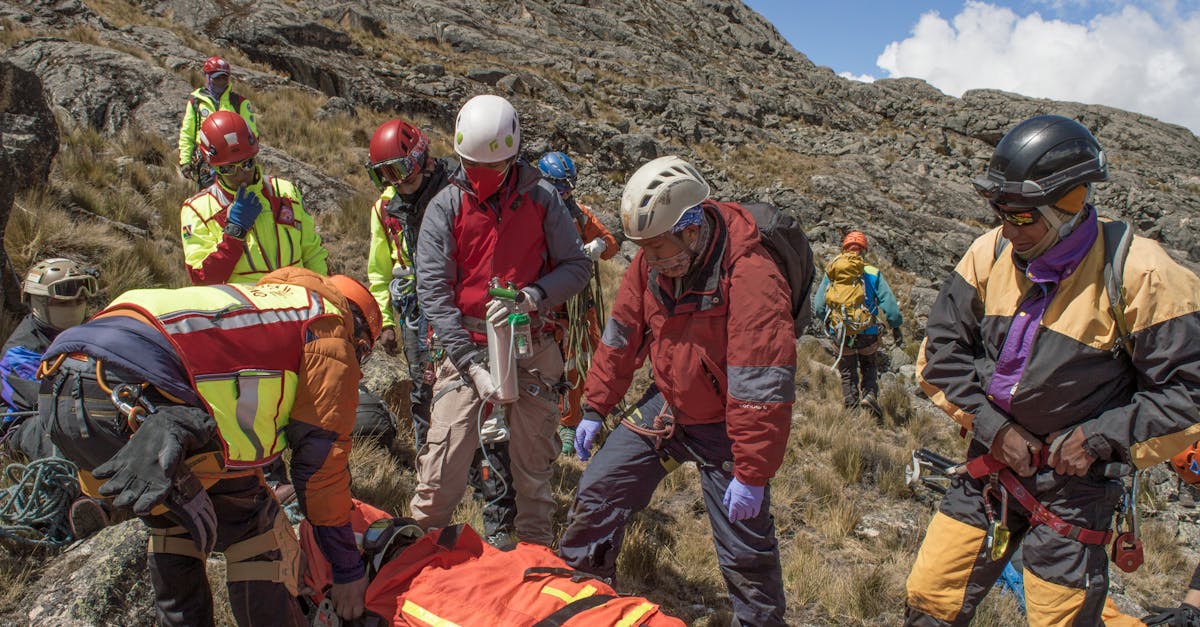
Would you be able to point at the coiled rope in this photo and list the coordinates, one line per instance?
(33, 510)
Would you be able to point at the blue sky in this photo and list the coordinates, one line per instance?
(1141, 55)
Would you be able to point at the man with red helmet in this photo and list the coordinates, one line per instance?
(171, 401)
(407, 176)
(215, 95)
(227, 235)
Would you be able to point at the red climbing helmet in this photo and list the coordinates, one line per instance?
(226, 138)
(398, 152)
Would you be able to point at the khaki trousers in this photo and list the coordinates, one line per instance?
(444, 461)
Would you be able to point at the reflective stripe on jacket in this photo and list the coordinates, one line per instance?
(283, 235)
(724, 350)
(242, 347)
(1139, 407)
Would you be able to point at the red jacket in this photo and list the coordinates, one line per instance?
(723, 351)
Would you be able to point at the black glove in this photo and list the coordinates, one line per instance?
(1183, 616)
(898, 335)
(192, 506)
(144, 471)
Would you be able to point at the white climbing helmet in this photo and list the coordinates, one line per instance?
(487, 130)
(657, 195)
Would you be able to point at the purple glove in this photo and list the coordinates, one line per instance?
(742, 501)
(585, 434)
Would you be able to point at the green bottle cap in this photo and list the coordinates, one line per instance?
(518, 318)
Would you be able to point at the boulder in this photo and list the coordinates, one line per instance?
(28, 144)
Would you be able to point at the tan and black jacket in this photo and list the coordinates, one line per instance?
(1140, 407)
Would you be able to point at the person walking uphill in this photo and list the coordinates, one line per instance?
(582, 334)
(702, 298)
(849, 300)
(172, 401)
(245, 224)
(497, 219)
(407, 177)
(1057, 372)
(215, 95)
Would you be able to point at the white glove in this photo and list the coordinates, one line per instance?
(482, 379)
(595, 248)
(499, 308)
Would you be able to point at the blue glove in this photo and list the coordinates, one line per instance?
(245, 209)
(742, 501)
(586, 432)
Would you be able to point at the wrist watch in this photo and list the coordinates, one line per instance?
(235, 231)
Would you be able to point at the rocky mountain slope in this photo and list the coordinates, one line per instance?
(614, 83)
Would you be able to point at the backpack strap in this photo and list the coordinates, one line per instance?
(573, 609)
(1117, 239)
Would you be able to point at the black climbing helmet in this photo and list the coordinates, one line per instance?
(1040, 160)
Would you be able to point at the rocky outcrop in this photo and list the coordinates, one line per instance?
(28, 144)
(100, 581)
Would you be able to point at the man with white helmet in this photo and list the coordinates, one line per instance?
(702, 300)
(497, 219)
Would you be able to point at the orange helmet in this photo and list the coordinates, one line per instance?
(855, 238)
(1187, 465)
(361, 297)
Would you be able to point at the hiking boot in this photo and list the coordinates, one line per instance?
(869, 403)
(503, 540)
(567, 435)
(86, 516)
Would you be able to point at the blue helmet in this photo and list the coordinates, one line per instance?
(558, 168)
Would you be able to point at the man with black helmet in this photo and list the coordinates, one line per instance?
(1057, 373)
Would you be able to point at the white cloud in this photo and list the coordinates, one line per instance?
(862, 78)
(1128, 58)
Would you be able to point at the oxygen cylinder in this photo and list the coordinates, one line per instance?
(502, 361)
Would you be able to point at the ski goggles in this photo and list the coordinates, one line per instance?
(73, 287)
(230, 169)
(397, 171)
(1016, 218)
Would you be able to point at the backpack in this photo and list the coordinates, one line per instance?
(846, 313)
(1117, 238)
(783, 237)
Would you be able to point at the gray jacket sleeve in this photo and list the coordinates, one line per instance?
(437, 274)
(572, 268)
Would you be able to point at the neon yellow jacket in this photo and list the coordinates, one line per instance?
(388, 250)
(199, 106)
(284, 234)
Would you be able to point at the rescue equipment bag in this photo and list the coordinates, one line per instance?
(846, 313)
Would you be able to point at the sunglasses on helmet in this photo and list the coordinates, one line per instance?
(230, 169)
(73, 287)
(1016, 218)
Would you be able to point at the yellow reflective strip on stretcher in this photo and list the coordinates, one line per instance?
(424, 615)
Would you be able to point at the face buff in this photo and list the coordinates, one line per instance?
(485, 181)
(674, 266)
